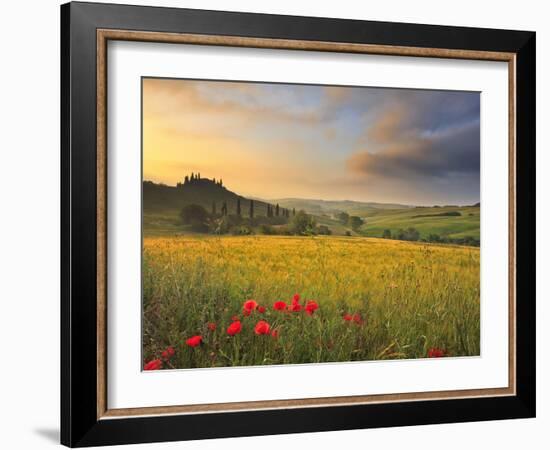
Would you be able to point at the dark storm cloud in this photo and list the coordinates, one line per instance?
(422, 137)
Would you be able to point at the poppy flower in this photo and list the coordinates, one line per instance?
(211, 326)
(155, 364)
(250, 305)
(262, 327)
(347, 317)
(194, 341)
(279, 306)
(275, 334)
(234, 318)
(357, 319)
(295, 298)
(295, 307)
(261, 309)
(436, 352)
(168, 353)
(234, 328)
(311, 307)
(246, 312)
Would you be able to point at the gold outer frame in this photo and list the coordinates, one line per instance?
(104, 35)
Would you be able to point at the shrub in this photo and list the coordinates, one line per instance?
(324, 230)
(241, 230)
(196, 216)
(267, 229)
(355, 222)
(343, 218)
(303, 224)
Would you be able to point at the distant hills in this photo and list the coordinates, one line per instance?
(162, 205)
(335, 206)
(206, 191)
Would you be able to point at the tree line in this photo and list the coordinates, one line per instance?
(412, 234)
(276, 220)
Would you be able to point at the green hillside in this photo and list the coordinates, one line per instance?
(427, 220)
(162, 204)
(202, 192)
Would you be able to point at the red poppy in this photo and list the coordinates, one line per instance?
(234, 318)
(275, 334)
(250, 305)
(279, 306)
(211, 326)
(261, 309)
(295, 298)
(436, 352)
(357, 319)
(168, 353)
(194, 341)
(311, 307)
(246, 312)
(262, 327)
(234, 328)
(295, 307)
(348, 317)
(155, 364)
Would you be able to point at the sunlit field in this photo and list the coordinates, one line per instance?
(315, 299)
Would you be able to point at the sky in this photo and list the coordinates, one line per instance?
(273, 141)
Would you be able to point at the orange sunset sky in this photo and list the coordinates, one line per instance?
(302, 141)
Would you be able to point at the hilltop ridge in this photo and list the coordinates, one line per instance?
(211, 194)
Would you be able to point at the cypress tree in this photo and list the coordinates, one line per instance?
(251, 212)
(277, 210)
(293, 211)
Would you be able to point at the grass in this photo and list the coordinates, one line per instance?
(166, 222)
(411, 297)
(425, 220)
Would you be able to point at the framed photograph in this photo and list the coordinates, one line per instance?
(276, 224)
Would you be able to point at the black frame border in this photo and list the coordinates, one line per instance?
(79, 424)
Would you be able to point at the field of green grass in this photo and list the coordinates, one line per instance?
(166, 222)
(425, 220)
(376, 298)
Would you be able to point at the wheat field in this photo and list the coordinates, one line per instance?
(374, 299)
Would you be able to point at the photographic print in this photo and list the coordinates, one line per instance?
(295, 224)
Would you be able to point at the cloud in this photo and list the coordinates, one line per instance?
(410, 141)
(365, 143)
(438, 156)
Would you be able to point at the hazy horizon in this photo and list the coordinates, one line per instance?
(283, 141)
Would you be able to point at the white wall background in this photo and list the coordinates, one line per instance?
(29, 224)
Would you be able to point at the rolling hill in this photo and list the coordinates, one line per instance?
(452, 221)
(204, 192)
(162, 205)
(313, 206)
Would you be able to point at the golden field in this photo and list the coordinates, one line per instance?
(407, 298)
